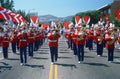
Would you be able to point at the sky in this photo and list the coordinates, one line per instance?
(59, 8)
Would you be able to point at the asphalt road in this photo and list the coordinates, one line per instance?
(67, 67)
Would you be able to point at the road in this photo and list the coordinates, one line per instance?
(67, 67)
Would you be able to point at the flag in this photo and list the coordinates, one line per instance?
(3, 14)
(45, 26)
(34, 20)
(118, 14)
(78, 20)
(66, 25)
(86, 19)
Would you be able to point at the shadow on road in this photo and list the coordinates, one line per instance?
(89, 57)
(13, 59)
(40, 58)
(43, 53)
(116, 62)
(64, 57)
(35, 66)
(97, 64)
(6, 64)
(64, 52)
(67, 65)
(4, 67)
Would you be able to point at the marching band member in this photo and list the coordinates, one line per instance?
(1, 34)
(13, 40)
(80, 41)
(31, 40)
(53, 37)
(68, 37)
(110, 41)
(100, 42)
(5, 45)
(73, 42)
(22, 44)
(89, 39)
(118, 36)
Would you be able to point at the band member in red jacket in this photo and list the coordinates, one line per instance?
(5, 45)
(110, 38)
(13, 40)
(80, 42)
(22, 44)
(68, 37)
(100, 42)
(89, 39)
(31, 40)
(53, 37)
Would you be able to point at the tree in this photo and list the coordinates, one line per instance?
(24, 14)
(114, 20)
(8, 4)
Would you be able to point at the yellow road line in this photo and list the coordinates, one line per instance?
(56, 72)
(51, 72)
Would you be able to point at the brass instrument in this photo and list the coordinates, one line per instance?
(81, 33)
(13, 36)
(113, 37)
(101, 38)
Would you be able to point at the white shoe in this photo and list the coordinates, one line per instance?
(55, 62)
(21, 64)
(110, 61)
(98, 55)
(52, 63)
(78, 61)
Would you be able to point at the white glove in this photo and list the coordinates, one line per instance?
(98, 39)
(112, 37)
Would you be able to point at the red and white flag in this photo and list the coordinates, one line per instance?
(34, 20)
(66, 25)
(118, 14)
(3, 14)
(45, 26)
(78, 20)
(86, 19)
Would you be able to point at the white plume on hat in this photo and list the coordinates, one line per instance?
(22, 24)
(112, 25)
(96, 26)
(87, 26)
(70, 25)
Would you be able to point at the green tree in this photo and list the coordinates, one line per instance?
(113, 20)
(24, 14)
(8, 4)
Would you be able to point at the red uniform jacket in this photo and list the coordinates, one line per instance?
(108, 39)
(13, 38)
(23, 40)
(79, 41)
(89, 35)
(68, 36)
(31, 38)
(53, 40)
(5, 41)
(118, 38)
